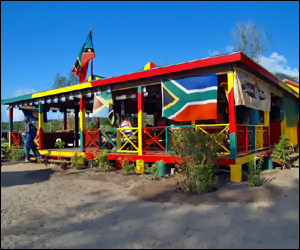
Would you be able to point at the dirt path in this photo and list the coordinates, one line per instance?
(44, 208)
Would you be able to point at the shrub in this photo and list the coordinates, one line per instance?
(281, 153)
(152, 171)
(4, 149)
(127, 167)
(198, 152)
(78, 161)
(102, 161)
(254, 171)
(16, 154)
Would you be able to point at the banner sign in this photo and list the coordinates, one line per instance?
(251, 91)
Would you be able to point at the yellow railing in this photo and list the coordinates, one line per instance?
(259, 136)
(122, 137)
(224, 131)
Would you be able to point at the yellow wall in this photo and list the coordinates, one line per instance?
(289, 132)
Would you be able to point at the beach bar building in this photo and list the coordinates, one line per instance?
(254, 109)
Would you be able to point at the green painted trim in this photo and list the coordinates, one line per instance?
(16, 99)
(140, 89)
(41, 108)
(270, 163)
(81, 140)
(10, 122)
(233, 146)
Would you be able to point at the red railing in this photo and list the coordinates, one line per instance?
(266, 137)
(91, 139)
(252, 137)
(154, 139)
(242, 139)
(15, 139)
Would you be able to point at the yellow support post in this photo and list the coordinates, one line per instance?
(140, 119)
(266, 118)
(236, 172)
(11, 123)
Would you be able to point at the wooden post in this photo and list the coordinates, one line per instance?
(76, 126)
(82, 121)
(140, 101)
(41, 125)
(11, 122)
(65, 119)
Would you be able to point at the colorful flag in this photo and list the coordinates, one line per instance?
(188, 99)
(85, 55)
(103, 105)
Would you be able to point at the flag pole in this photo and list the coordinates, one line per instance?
(92, 66)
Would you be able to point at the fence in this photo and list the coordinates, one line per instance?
(157, 139)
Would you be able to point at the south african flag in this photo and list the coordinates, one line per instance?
(188, 99)
(85, 55)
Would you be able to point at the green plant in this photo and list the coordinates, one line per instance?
(152, 171)
(254, 171)
(102, 161)
(16, 154)
(4, 149)
(282, 153)
(59, 143)
(78, 161)
(198, 152)
(127, 167)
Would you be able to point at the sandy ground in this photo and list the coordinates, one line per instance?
(42, 207)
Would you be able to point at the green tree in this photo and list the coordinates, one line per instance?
(282, 76)
(62, 81)
(253, 40)
(72, 79)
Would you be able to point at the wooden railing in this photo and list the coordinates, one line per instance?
(130, 143)
(252, 137)
(222, 129)
(154, 139)
(108, 139)
(157, 139)
(91, 139)
(15, 139)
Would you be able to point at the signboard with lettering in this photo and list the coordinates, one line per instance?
(251, 91)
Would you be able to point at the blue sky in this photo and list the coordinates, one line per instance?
(40, 39)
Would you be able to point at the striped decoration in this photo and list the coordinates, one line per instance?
(10, 120)
(82, 121)
(232, 116)
(140, 101)
(41, 125)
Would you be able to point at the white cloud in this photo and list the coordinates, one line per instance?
(23, 91)
(213, 53)
(276, 63)
(229, 48)
(4, 113)
(17, 114)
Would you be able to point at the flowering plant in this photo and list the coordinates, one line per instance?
(78, 161)
(59, 143)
